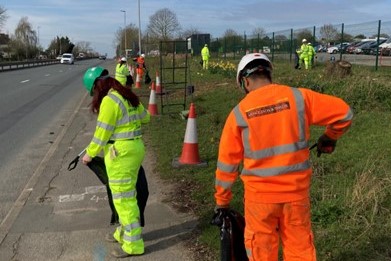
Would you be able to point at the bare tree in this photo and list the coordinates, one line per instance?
(131, 33)
(83, 47)
(304, 34)
(188, 32)
(163, 24)
(328, 33)
(259, 32)
(25, 39)
(230, 33)
(3, 16)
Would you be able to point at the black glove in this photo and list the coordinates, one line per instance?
(219, 214)
(325, 145)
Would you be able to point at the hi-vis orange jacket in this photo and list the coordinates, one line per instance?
(269, 132)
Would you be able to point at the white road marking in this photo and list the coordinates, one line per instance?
(47, 75)
(24, 81)
(79, 197)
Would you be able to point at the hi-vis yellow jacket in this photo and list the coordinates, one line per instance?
(268, 132)
(117, 120)
(121, 73)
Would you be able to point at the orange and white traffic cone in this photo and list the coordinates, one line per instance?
(138, 81)
(158, 86)
(190, 155)
(152, 106)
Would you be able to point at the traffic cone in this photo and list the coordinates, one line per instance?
(190, 155)
(138, 81)
(152, 106)
(159, 89)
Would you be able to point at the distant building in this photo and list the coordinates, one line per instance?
(196, 42)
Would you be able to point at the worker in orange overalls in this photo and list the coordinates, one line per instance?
(140, 65)
(268, 132)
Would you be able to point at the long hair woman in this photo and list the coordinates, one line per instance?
(118, 134)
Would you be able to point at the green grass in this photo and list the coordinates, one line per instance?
(351, 189)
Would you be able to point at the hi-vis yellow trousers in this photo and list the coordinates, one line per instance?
(123, 160)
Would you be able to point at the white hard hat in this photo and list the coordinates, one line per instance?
(304, 40)
(248, 58)
(123, 59)
(142, 55)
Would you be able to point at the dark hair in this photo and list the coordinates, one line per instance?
(265, 71)
(102, 86)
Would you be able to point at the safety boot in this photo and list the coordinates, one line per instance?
(110, 238)
(120, 253)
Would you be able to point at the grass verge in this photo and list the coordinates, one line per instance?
(351, 189)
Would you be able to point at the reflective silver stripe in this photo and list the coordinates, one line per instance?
(120, 104)
(130, 194)
(131, 238)
(248, 252)
(98, 141)
(105, 126)
(245, 132)
(126, 135)
(119, 181)
(266, 172)
(126, 118)
(349, 115)
(118, 74)
(223, 184)
(277, 150)
(302, 143)
(300, 112)
(227, 167)
(129, 227)
(143, 114)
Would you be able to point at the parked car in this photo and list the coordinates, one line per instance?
(372, 47)
(320, 48)
(386, 44)
(337, 48)
(385, 51)
(102, 57)
(351, 48)
(358, 50)
(67, 58)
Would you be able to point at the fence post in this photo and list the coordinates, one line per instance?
(273, 45)
(292, 49)
(245, 42)
(342, 32)
(377, 49)
(225, 47)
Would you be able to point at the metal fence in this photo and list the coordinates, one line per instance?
(8, 66)
(283, 44)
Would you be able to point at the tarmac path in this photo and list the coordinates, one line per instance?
(64, 215)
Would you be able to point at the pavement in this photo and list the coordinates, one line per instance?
(64, 215)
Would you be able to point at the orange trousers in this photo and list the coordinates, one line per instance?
(266, 224)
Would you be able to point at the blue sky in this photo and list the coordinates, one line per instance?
(96, 21)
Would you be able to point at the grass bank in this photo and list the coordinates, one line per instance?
(351, 189)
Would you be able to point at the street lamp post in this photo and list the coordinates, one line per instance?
(39, 49)
(125, 29)
(139, 28)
